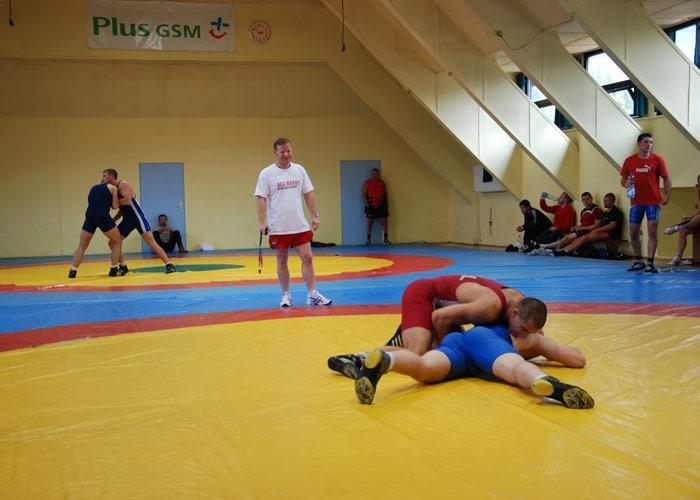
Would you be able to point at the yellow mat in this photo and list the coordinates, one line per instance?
(191, 269)
(249, 410)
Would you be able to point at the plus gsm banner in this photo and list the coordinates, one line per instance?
(172, 26)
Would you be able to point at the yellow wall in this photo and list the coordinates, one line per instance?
(66, 113)
(48, 165)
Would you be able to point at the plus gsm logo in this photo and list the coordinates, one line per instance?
(217, 30)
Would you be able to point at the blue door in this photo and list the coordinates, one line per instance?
(163, 192)
(353, 174)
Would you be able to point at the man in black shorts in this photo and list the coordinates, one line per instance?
(376, 205)
(101, 198)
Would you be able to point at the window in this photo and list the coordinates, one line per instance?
(541, 101)
(613, 79)
(603, 69)
(686, 37)
(615, 82)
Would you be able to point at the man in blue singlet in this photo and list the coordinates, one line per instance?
(133, 218)
(101, 198)
(485, 351)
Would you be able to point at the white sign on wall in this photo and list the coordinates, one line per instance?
(119, 24)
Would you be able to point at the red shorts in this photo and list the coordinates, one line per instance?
(601, 235)
(290, 240)
(417, 305)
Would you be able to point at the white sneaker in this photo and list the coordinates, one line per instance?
(672, 229)
(676, 261)
(316, 299)
(286, 300)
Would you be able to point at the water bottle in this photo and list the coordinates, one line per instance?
(548, 196)
(631, 191)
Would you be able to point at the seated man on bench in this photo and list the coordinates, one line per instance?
(687, 225)
(609, 230)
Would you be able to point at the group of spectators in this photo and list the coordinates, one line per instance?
(640, 175)
(564, 236)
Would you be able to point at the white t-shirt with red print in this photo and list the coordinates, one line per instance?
(283, 189)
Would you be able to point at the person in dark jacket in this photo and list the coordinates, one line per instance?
(534, 223)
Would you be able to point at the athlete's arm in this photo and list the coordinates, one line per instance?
(567, 355)
(667, 190)
(261, 207)
(480, 311)
(127, 193)
(310, 199)
(115, 198)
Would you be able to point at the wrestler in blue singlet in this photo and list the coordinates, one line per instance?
(97, 213)
(473, 353)
(133, 218)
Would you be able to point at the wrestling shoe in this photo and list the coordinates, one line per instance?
(115, 271)
(72, 273)
(375, 365)
(671, 230)
(637, 266)
(387, 241)
(347, 364)
(677, 260)
(568, 395)
(170, 268)
(316, 299)
(124, 268)
(650, 269)
(286, 300)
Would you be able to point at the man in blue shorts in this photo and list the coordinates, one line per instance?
(485, 351)
(640, 175)
(101, 198)
(133, 218)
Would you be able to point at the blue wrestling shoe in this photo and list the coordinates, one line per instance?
(376, 364)
(347, 364)
(568, 395)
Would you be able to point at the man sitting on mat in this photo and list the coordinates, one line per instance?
(433, 307)
(485, 351)
(167, 237)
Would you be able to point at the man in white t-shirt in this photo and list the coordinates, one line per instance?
(278, 197)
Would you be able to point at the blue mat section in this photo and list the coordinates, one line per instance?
(557, 279)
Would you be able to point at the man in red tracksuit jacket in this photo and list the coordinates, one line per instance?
(564, 218)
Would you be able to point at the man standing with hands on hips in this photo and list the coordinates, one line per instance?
(281, 215)
(640, 175)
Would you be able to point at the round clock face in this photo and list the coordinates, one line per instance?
(259, 32)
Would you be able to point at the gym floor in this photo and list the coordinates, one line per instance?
(197, 385)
